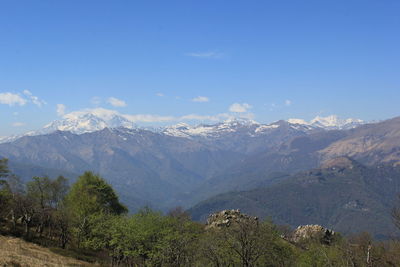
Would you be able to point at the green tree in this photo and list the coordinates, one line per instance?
(179, 243)
(89, 196)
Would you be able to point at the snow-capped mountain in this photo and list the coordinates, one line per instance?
(93, 120)
(86, 122)
(210, 130)
(335, 123)
(331, 122)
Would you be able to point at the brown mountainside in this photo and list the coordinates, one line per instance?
(370, 144)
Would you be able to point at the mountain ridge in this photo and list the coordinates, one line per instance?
(345, 195)
(82, 122)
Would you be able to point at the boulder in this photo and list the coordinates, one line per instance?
(227, 218)
(309, 232)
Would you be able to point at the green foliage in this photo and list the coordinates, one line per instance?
(247, 243)
(89, 197)
(92, 194)
(147, 237)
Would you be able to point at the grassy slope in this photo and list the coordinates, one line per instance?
(16, 252)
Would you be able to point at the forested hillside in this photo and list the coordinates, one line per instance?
(342, 194)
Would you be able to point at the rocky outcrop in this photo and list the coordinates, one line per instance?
(227, 218)
(309, 232)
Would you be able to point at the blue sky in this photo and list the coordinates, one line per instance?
(272, 59)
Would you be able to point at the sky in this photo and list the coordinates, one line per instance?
(198, 61)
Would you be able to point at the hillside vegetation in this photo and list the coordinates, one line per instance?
(88, 222)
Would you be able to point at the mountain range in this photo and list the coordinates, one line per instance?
(98, 119)
(183, 164)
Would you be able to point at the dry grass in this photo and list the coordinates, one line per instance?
(17, 252)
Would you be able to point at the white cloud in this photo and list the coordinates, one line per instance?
(160, 94)
(100, 112)
(18, 124)
(12, 99)
(34, 99)
(201, 99)
(27, 92)
(288, 102)
(61, 109)
(239, 108)
(115, 102)
(208, 54)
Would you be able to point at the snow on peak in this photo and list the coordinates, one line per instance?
(329, 122)
(88, 121)
(206, 130)
(91, 120)
(239, 122)
(264, 128)
(297, 121)
(333, 122)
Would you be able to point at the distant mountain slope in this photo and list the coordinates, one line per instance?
(138, 163)
(158, 168)
(292, 154)
(183, 164)
(342, 195)
(370, 143)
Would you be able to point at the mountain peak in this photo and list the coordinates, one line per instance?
(331, 122)
(88, 121)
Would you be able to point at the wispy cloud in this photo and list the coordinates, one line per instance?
(239, 108)
(201, 99)
(288, 102)
(207, 54)
(160, 94)
(34, 99)
(61, 109)
(115, 102)
(12, 99)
